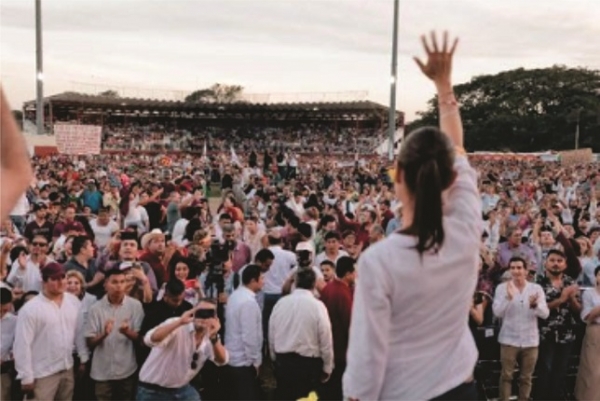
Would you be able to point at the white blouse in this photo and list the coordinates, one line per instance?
(591, 300)
(409, 336)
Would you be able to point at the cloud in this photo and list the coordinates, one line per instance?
(279, 46)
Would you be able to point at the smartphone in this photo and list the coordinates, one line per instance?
(205, 313)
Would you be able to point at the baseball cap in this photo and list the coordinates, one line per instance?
(52, 270)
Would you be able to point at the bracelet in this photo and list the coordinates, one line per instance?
(460, 150)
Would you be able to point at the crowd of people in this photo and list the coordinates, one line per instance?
(179, 135)
(98, 217)
(122, 279)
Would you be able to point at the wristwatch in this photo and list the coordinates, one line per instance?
(215, 339)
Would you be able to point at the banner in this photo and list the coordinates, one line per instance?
(579, 156)
(78, 139)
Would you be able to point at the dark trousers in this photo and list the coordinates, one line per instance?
(270, 301)
(332, 389)
(296, 376)
(84, 386)
(115, 390)
(552, 368)
(463, 392)
(242, 383)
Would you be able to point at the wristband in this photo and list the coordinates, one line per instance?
(215, 339)
(460, 150)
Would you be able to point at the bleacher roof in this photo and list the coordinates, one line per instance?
(116, 103)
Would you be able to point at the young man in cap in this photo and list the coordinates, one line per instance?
(47, 328)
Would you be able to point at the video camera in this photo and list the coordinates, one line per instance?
(217, 256)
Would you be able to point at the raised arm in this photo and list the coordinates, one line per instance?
(15, 168)
(439, 69)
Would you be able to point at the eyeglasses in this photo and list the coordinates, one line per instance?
(40, 244)
(195, 360)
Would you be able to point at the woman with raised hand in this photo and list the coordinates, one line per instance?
(409, 336)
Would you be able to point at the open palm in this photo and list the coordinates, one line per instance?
(438, 66)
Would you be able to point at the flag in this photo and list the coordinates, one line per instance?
(204, 151)
(234, 157)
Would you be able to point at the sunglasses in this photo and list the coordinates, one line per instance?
(195, 357)
(40, 244)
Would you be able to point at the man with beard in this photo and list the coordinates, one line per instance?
(557, 333)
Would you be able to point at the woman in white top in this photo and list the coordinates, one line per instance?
(587, 386)
(409, 336)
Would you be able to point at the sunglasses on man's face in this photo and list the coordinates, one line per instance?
(40, 244)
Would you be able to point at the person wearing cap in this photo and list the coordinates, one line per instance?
(39, 225)
(113, 324)
(305, 260)
(47, 328)
(71, 229)
(153, 248)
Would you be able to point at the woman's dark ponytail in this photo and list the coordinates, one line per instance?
(427, 220)
(426, 160)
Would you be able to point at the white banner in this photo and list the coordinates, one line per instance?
(78, 139)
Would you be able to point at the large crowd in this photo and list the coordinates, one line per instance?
(268, 273)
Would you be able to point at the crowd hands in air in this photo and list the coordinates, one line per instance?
(124, 252)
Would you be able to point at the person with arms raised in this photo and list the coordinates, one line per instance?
(409, 335)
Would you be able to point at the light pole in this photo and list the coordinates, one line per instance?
(393, 79)
(577, 129)
(39, 76)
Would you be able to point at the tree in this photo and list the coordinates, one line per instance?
(218, 93)
(527, 110)
(109, 93)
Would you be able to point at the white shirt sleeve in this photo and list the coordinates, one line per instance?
(371, 320)
(462, 198)
(24, 335)
(500, 303)
(325, 339)
(252, 335)
(541, 309)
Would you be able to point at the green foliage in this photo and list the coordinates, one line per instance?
(218, 93)
(527, 110)
(109, 93)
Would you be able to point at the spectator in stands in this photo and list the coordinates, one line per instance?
(39, 225)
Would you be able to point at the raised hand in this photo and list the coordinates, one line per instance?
(108, 327)
(187, 317)
(510, 290)
(124, 326)
(438, 66)
(533, 301)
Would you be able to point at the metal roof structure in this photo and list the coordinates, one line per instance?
(73, 99)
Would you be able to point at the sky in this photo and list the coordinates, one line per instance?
(303, 48)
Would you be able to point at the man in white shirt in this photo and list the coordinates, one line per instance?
(47, 328)
(332, 250)
(519, 303)
(8, 324)
(282, 265)
(103, 227)
(300, 340)
(243, 336)
(180, 346)
(113, 324)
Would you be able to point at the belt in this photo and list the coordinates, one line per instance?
(156, 387)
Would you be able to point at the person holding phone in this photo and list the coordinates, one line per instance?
(180, 346)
